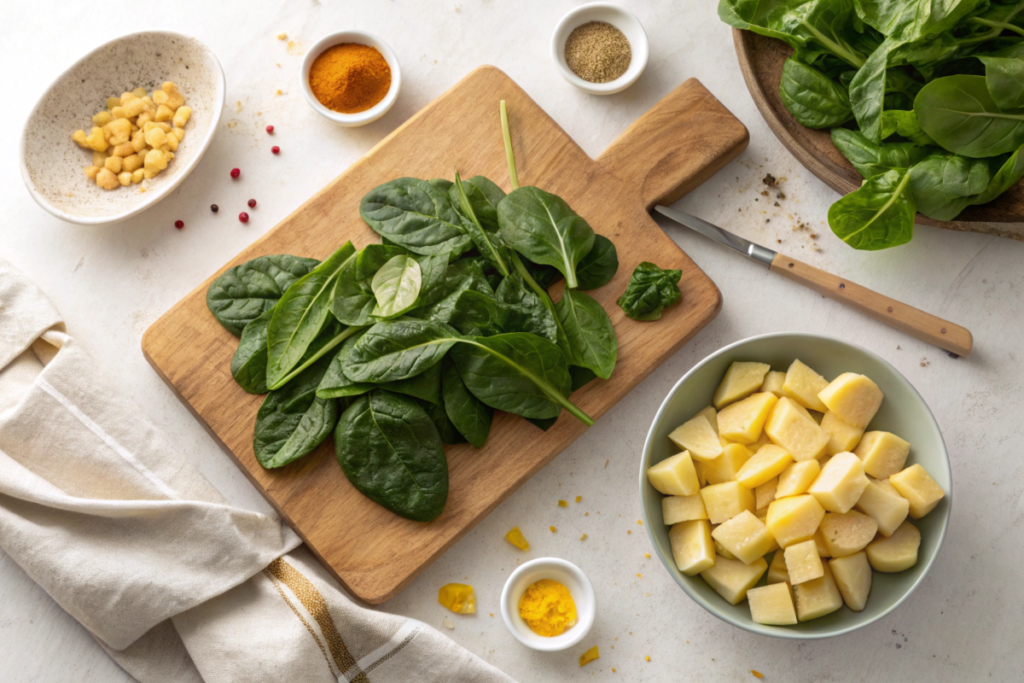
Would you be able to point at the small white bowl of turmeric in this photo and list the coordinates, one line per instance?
(122, 127)
(548, 604)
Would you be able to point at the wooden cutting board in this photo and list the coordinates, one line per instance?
(669, 151)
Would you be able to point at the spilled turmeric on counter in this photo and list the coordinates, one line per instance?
(350, 78)
(547, 608)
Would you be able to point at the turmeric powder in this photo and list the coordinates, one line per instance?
(547, 608)
(350, 78)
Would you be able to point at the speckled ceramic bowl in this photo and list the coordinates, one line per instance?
(52, 164)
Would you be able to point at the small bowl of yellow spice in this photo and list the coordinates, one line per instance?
(548, 604)
(351, 77)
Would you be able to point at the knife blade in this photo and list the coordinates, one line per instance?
(749, 249)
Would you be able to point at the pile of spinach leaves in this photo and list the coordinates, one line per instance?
(924, 97)
(400, 347)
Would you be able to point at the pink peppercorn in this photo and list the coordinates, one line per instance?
(275, 150)
(252, 203)
(235, 172)
(270, 130)
(179, 224)
(244, 217)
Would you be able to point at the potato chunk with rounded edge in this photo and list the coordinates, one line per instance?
(817, 597)
(853, 398)
(725, 501)
(674, 476)
(791, 427)
(920, 490)
(819, 543)
(840, 483)
(803, 384)
(846, 533)
(711, 415)
(842, 437)
(107, 179)
(767, 463)
(882, 503)
(896, 553)
(777, 572)
(732, 579)
(745, 536)
(772, 605)
(797, 478)
(883, 453)
(692, 548)
(743, 421)
(853, 578)
(724, 467)
(697, 436)
(773, 382)
(181, 116)
(675, 509)
(794, 519)
(741, 380)
(765, 494)
(803, 563)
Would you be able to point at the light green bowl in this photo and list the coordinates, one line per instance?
(903, 412)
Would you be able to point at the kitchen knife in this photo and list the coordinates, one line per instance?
(915, 322)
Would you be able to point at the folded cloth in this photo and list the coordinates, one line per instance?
(130, 539)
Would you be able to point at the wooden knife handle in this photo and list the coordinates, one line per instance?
(913, 321)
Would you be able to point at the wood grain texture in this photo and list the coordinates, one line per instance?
(913, 321)
(761, 61)
(373, 552)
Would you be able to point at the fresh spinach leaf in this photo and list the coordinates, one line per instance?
(480, 315)
(416, 215)
(1003, 179)
(396, 287)
(335, 383)
(650, 291)
(944, 184)
(425, 386)
(249, 364)
(878, 215)
(469, 415)
(445, 427)
(391, 451)
(353, 300)
(489, 244)
(442, 184)
(463, 275)
(399, 349)
(293, 421)
(960, 115)
(872, 159)
(543, 228)
(1004, 75)
(433, 270)
(814, 99)
(243, 293)
(904, 124)
(484, 197)
(543, 425)
(581, 376)
(589, 331)
(599, 266)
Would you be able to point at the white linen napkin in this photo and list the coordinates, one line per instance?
(175, 583)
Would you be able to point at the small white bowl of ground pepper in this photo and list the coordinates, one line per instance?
(351, 77)
(600, 48)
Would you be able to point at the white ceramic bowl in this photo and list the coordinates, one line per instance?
(52, 164)
(565, 573)
(621, 19)
(363, 38)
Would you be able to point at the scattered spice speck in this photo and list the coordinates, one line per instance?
(278, 93)
(238, 105)
(606, 462)
(647, 658)
(583, 537)
(282, 36)
(552, 529)
(579, 498)
(757, 674)
(647, 555)
(563, 504)
(640, 522)
(589, 656)
(629, 531)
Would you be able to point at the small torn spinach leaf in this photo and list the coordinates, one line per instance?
(878, 215)
(650, 291)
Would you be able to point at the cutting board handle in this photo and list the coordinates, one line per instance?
(678, 144)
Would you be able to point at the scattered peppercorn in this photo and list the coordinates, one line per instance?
(214, 208)
(235, 172)
(244, 217)
(270, 130)
(179, 224)
(252, 203)
(275, 150)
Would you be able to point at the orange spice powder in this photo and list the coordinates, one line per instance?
(350, 78)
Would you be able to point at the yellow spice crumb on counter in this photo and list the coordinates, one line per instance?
(563, 504)
(583, 537)
(757, 674)
(552, 529)
(579, 498)
(628, 531)
(282, 36)
(458, 597)
(647, 555)
(639, 576)
(589, 656)
(640, 522)
(277, 93)
(613, 669)
(647, 658)
(516, 538)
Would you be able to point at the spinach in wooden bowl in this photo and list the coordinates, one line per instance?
(926, 99)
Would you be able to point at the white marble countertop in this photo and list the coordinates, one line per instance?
(112, 282)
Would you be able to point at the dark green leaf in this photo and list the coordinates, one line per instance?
(944, 184)
(425, 386)
(878, 215)
(335, 383)
(416, 215)
(292, 421)
(581, 376)
(488, 243)
(449, 434)
(544, 425)
(872, 159)
(470, 417)
(484, 197)
(599, 266)
(1006, 177)
(243, 293)
(814, 100)
(478, 314)
(589, 331)
(650, 291)
(960, 115)
(462, 275)
(399, 349)
(904, 124)
(249, 364)
(1004, 75)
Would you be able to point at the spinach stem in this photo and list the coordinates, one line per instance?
(467, 209)
(340, 337)
(513, 176)
(995, 31)
(844, 52)
(1002, 26)
(532, 284)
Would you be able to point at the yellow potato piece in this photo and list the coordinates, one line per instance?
(881, 502)
(843, 437)
(791, 427)
(745, 536)
(743, 421)
(589, 656)
(674, 476)
(711, 415)
(818, 597)
(777, 572)
(107, 179)
(720, 549)
(896, 553)
(516, 538)
(767, 463)
(725, 501)
(96, 140)
(675, 509)
(840, 484)
(846, 533)
(819, 543)
(853, 398)
(803, 562)
(120, 130)
(692, 547)
(920, 490)
(773, 382)
(852, 575)
(797, 478)
(458, 597)
(765, 493)
(883, 454)
(772, 605)
(802, 384)
(697, 436)
(732, 579)
(794, 519)
(741, 380)
(181, 116)
(724, 467)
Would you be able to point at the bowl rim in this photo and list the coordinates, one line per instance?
(611, 87)
(156, 195)
(352, 35)
(579, 631)
(760, 629)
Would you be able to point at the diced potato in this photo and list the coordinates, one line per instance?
(154, 162)
(741, 380)
(762, 440)
(178, 133)
(840, 484)
(853, 398)
(674, 476)
(797, 478)
(164, 113)
(181, 116)
(818, 597)
(790, 427)
(793, 519)
(777, 572)
(137, 176)
(127, 97)
(692, 548)
(91, 172)
(697, 436)
(772, 605)
(803, 384)
(702, 477)
(144, 118)
(852, 575)
(745, 536)
(918, 487)
(160, 97)
(125, 178)
(96, 140)
(80, 137)
(883, 454)
(803, 562)
(107, 179)
(113, 164)
(882, 503)
(122, 150)
(767, 463)
(773, 382)
(174, 96)
(846, 533)
(725, 501)
(711, 415)
(724, 467)
(134, 107)
(720, 549)
(132, 162)
(843, 438)
(732, 578)
(819, 543)
(743, 421)
(155, 137)
(102, 118)
(765, 494)
(171, 142)
(675, 509)
(138, 141)
(99, 158)
(896, 553)
(118, 112)
(139, 92)
(113, 102)
(120, 131)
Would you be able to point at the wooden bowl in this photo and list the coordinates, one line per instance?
(761, 61)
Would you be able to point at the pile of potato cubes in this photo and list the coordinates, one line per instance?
(781, 462)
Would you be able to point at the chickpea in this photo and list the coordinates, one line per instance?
(107, 180)
(113, 102)
(155, 137)
(102, 118)
(137, 176)
(79, 137)
(125, 178)
(91, 172)
(181, 116)
(131, 163)
(113, 164)
(164, 113)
